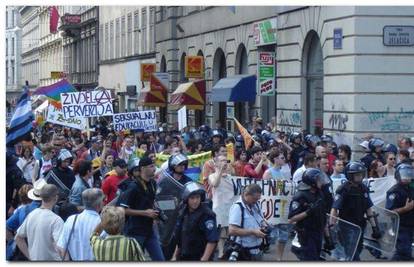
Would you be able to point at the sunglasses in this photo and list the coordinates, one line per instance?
(391, 158)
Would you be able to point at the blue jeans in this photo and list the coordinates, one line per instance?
(403, 246)
(152, 244)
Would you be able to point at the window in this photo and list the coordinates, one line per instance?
(101, 44)
(123, 37)
(129, 41)
(111, 47)
(12, 52)
(151, 30)
(144, 31)
(117, 34)
(106, 54)
(136, 32)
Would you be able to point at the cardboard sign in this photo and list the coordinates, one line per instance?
(182, 118)
(87, 104)
(143, 120)
(146, 70)
(194, 67)
(159, 81)
(266, 82)
(56, 116)
(276, 197)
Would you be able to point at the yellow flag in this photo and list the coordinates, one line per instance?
(248, 140)
(230, 152)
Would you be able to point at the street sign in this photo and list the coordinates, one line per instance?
(266, 74)
(159, 81)
(337, 38)
(264, 32)
(194, 67)
(398, 35)
(146, 70)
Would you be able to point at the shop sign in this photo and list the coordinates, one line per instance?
(264, 32)
(398, 35)
(266, 73)
(194, 67)
(146, 70)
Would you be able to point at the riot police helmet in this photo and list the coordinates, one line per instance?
(326, 138)
(405, 173)
(293, 136)
(355, 171)
(193, 188)
(312, 177)
(374, 143)
(391, 148)
(216, 133)
(178, 159)
(312, 140)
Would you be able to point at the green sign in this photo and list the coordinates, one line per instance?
(266, 65)
(265, 32)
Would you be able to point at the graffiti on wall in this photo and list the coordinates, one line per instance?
(390, 121)
(289, 120)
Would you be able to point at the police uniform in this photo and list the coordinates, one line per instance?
(352, 201)
(396, 198)
(310, 229)
(194, 230)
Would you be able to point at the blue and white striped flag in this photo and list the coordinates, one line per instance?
(21, 122)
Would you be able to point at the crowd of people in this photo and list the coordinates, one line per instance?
(87, 196)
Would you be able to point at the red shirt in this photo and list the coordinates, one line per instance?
(331, 162)
(250, 172)
(110, 186)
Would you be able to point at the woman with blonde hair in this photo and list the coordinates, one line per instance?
(115, 247)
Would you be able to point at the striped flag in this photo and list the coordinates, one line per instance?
(53, 92)
(21, 122)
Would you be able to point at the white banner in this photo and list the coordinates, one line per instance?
(378, 188)
(56, 116)
(276, 197)
(143, 120)
(87, 104)
(182, 118)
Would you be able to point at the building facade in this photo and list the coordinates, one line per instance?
(126, 39)
(338, 72)
(13, 56)
(30, 45)
(80, 46)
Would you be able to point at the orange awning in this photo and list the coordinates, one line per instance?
(191, 94)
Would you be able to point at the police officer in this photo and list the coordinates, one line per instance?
(297, 153)
(177, 165)
(375, 146)
(307, 210)
(400, 199)
(352, 202)
(196, 230)
(216, 139)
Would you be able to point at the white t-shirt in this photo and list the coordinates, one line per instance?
(297, 176)
(223, 198)
(42, 229)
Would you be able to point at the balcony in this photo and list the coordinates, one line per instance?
(71, 25)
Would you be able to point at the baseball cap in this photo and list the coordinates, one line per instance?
(145, 161)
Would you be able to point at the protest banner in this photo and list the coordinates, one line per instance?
(276, 197)
(56, 116)
(378, 188)
(87, 104)
(143, 120)
(182, 118)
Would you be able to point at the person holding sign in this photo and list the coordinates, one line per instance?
(400, 200)
(307, 211)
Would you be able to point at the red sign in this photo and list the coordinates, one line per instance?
(146, 70)
(194, 67)
(71, 19)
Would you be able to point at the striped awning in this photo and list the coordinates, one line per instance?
(191, 94)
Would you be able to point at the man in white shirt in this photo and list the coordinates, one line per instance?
(42, 229)
(308, 162)
(76, 240)
(222, 196)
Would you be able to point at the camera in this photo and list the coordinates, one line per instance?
(161, 215)
(266, 241)
(235, 252)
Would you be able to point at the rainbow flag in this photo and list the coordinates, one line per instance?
(53, 92)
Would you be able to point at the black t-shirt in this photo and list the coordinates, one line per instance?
(139, 195)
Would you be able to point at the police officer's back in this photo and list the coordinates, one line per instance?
(307, 210)
(196, 230)
(400, 199)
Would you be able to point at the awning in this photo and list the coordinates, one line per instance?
(238, 88)
(192, 95)
(153, 98)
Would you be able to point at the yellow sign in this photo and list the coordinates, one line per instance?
(56, 74)
(194, 67)
(146, 70)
